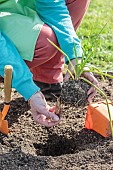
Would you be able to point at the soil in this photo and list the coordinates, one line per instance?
(75, 92)
(68, 146)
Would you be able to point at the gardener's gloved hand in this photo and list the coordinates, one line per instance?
(92, 91)
(41, 112)
(88, 75)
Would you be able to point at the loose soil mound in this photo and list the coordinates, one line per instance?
(75, 92)
(67, 146)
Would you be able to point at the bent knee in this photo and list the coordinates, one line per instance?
(42, 42)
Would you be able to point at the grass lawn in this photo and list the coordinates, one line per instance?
(98, 19)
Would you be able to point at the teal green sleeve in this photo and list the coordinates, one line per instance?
(22, 78)
(20, 22)
(55, 14)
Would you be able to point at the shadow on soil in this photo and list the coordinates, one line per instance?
(61, 145)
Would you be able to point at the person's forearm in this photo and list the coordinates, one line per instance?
(22, 77)
(56, 15)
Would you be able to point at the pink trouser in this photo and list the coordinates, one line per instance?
(47, 64)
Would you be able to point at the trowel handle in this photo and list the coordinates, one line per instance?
(7, 82)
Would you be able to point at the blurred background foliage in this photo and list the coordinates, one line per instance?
(96, 33)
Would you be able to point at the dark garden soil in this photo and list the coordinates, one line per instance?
(67, 146)
(75, 92)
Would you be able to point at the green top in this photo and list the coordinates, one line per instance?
(20, 22)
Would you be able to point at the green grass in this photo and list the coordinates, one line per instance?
(99, 16)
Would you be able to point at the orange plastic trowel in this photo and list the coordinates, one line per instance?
(97, 118)
(7, 96)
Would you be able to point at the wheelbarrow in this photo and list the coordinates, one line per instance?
(7, 96)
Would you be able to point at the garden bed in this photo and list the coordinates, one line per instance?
(67, 146)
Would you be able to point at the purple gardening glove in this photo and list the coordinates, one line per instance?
(41, 111)
(92, 91)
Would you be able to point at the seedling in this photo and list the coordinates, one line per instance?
(58, 105)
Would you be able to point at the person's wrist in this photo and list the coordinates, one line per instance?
(74, 61)
(33, 96)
